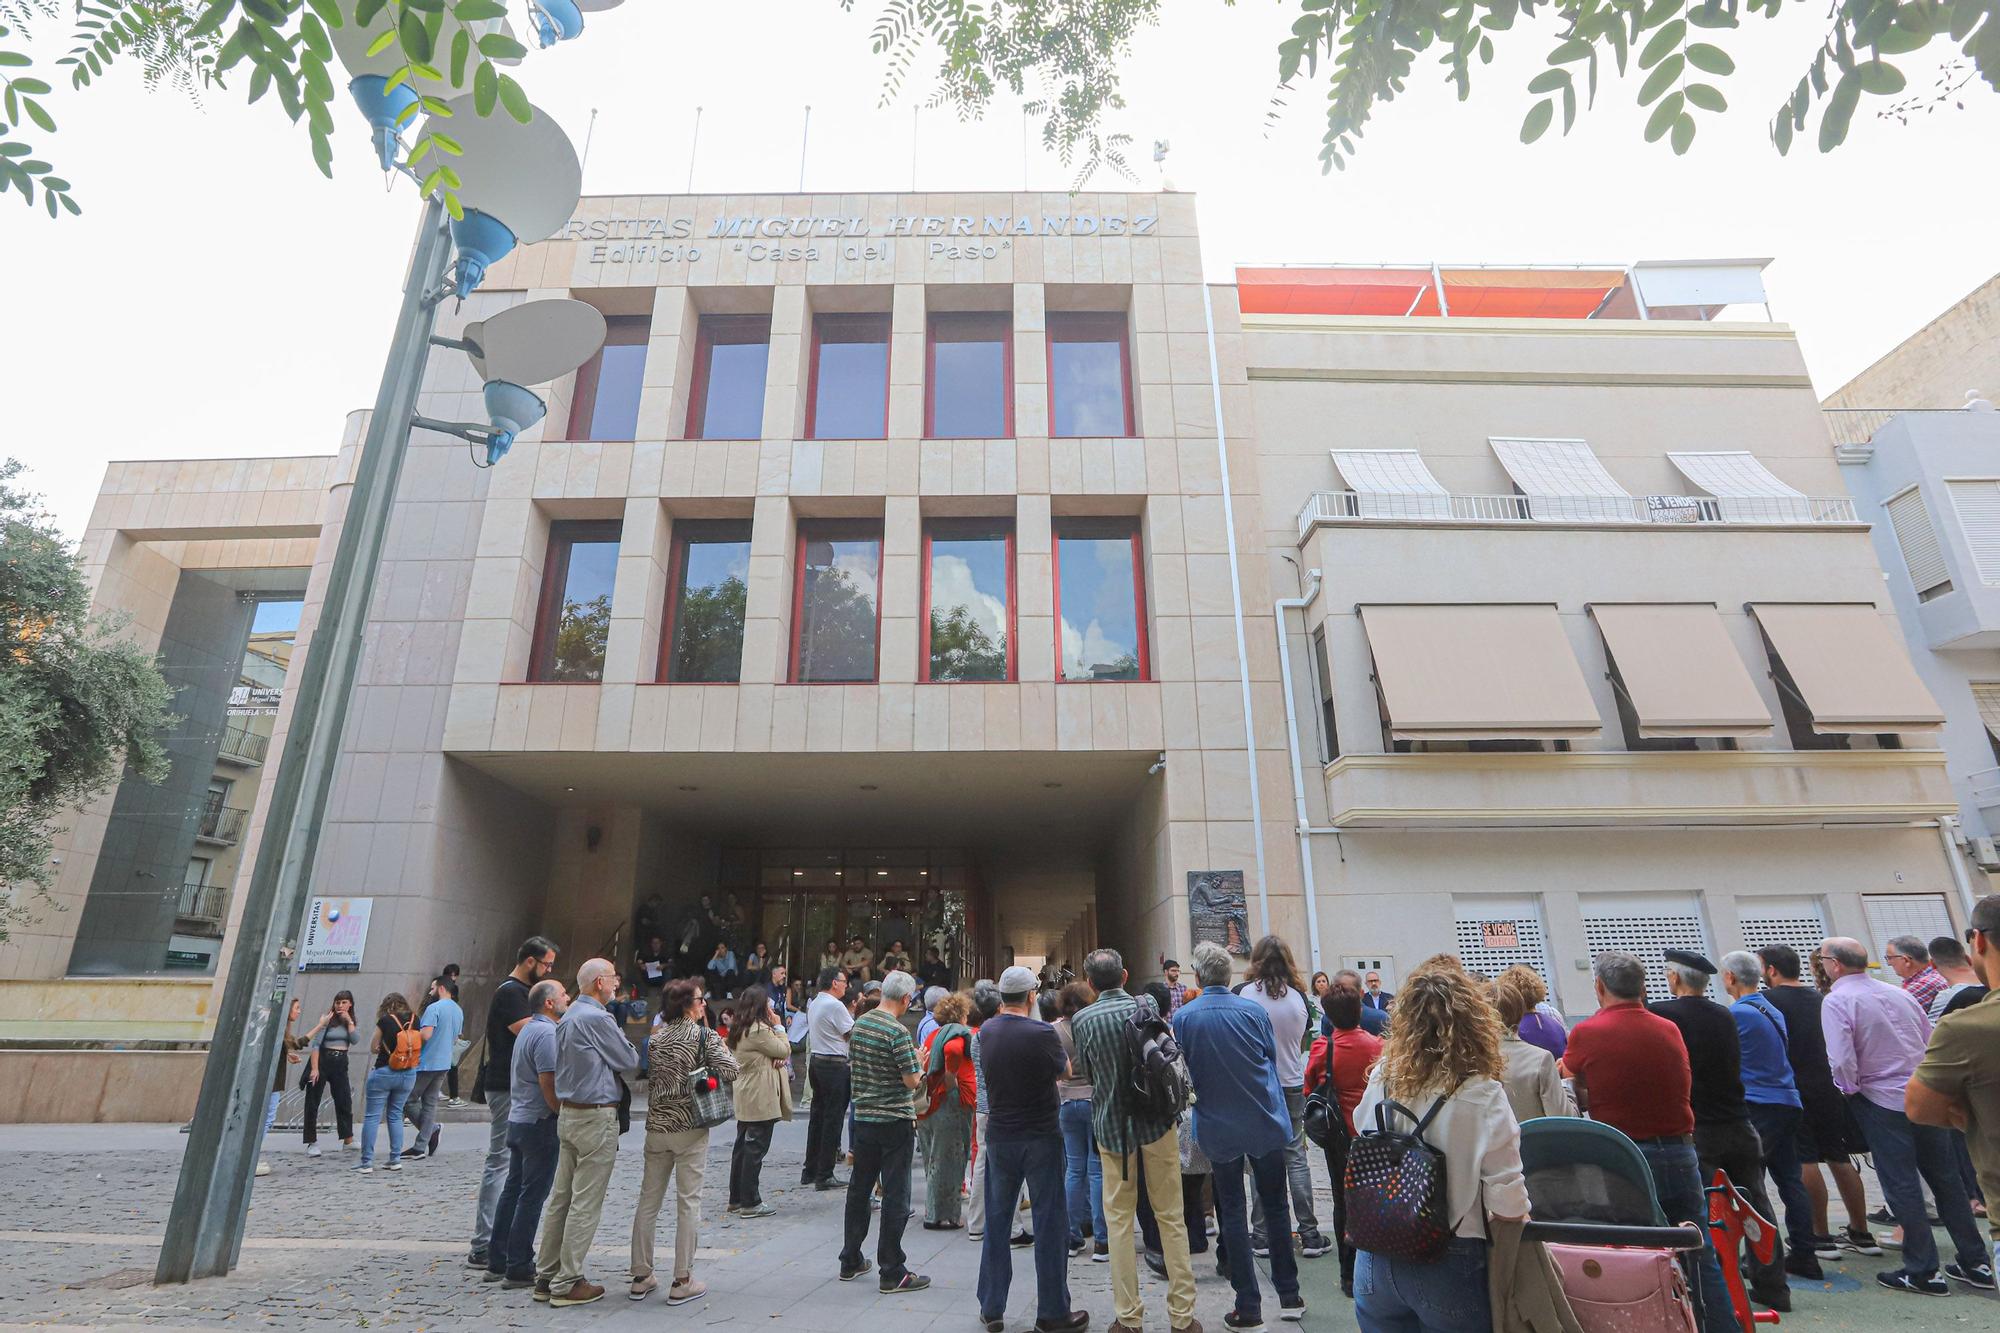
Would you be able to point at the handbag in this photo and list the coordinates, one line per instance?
(1395, 1188)
(711, 1101)
(1322, 1119)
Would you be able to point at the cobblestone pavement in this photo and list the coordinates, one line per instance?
(87, 1205)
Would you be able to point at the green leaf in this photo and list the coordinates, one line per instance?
(421, 151)
(1537, 122)
(1880, 78)
(1839, 112)
(1548, 81)
(1682, 134)
(415, 35)
(461, 50)
(1569, 108)
(515, 100)
(1709, 59)
(70, 204)
(447, 144)
(14, 58)
(14, 150)
(1713, 15)
(1662, 118)
(1781, 134)
(382, 42)
(485, 88)
(32, 87)
(1663, 77)
(329, 13)
(366, 10)
(473, 11)
(38, 115)
(499, 46)
(56, 183)
(1569, 51)
(1706, 96)
(1663, 41)
(453, 207)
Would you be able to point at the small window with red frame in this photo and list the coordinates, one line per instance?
(1100, 601)
(732, 353)
(968, 599)
(573, 623)
(606, 406)
(969, 384)
(848, 394)
(1090, 378)
(837, 603)
(703, 639)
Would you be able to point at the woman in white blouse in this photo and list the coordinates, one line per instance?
(1444, 1043)
(1534, 1087)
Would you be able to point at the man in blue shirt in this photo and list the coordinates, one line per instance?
(1240, 1120)
(1771, 1097)
(442, 1022)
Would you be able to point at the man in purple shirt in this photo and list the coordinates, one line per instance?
(1875, 1036)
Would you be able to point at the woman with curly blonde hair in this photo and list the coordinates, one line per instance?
(1443, 1051)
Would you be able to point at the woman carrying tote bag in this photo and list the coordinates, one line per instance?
(678, 1116)
(1437, 1151)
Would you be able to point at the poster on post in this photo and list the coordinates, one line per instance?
(1217, 911)
(336, 934)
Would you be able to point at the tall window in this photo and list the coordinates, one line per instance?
(968, 600)
(837, 612)
(703, 641)
(1090, 382)
(575, 617)
(1100, 601)
(969, 390)
(607, 387)
(730, 356)
(1329, 735)
(849, 395)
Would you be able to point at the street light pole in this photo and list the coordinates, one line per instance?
(204, 1236)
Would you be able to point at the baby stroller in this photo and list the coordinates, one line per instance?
(1591, 1202)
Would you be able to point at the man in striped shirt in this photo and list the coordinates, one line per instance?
(885, 1074)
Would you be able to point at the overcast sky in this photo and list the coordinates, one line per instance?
(219, 298)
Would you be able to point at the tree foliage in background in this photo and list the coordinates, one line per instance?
(961, 649)
(77, 703)
(708, 631)
(1064, 57)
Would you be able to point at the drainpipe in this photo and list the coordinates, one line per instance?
(1302, 822)
(1236, 595)
(1948, 832)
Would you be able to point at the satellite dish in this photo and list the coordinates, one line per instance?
(597, 6)
(535, 342)
(368, 81)
(517, 183)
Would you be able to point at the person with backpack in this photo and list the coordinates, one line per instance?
(1241, 1122)
(397, 1046)
(1435, 1094)
(944, 1119)
(440, 1026)
(1128, 1053)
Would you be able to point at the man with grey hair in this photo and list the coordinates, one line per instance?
(592, 1056)
(885, 1074)
(1374, 1022)
(1771, 1099)
(1631, 1071)
(1910, 959)
(929, 1024)
(1875, 1037)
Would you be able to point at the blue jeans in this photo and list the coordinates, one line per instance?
(1908, 1157)
(1777, 1128)
(1269, 1173)
(1039, 1162)
(388, 1089)
(1448, 1296)
(531, 1169)
(1083, 1173)
(1678, 1185)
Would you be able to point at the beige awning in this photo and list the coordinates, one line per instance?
(1681, 672)
(1478, 673)
(1850, 669)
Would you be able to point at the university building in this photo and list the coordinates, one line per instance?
(966, 570)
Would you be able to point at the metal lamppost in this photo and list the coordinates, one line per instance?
(518, 181)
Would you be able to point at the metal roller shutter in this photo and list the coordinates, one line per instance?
(1918, 540)
(1645, 924)
(1494, 934)
(1977, 504)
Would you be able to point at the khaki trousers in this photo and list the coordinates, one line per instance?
(1161, 1162)
(586, 1149)
(680, 1155)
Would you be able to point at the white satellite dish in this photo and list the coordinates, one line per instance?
(526, 177)
(597, 6)
(535, 342)
(351, 42)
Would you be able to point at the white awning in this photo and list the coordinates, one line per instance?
(1480, 672)
(1705, 286)
(1392, 483)
(1852, 672)
(1564, 480)
(1744, 488)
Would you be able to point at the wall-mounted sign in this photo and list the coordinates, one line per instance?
(336, 934)
(670, 240)
(255, 700)
(1499, 935)
(1217, 911)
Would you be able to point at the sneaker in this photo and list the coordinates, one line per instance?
(1292, 1308)
(1858, 1240)
(1980, 1276)
(686, 1290)
(312, 1150)
(642, 1287)
(583, 1293)
(393, 1166)
(849, 1274)
(1828, 1247)
(1243, 1323)
(1260, 1248)
(476, 1259)
(1802, 1265)
(516, 1283)
(456, 1102)
(1882, 1217)
(1073, 1322)
(908, 1282)
(437, 1132)
(1312, 1245)
(364, 1170)
(993, 1323)
(1923, 1284)
(1100, 1252)
(974, 1236)
(1022, 1239)
(541, 1292)
(412, 1153)
(757, 1210)
(1078, 1248)
(263, 1167)
(493, 1275)
(830, 1183)
(347, 1145)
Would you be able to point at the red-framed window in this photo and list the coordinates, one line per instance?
(969, 613)
(1090, 373)
(606, 406)
(1100, 596)
(969, 375)
(701, 636)
(726, 396)
(573, 622)
(837, 602)
(847, 389)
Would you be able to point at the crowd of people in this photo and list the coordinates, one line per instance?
(1122, 1121)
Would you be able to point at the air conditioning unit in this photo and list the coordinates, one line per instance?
(1986, 852)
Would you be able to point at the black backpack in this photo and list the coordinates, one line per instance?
(1155, 1080)
(1395, 1188)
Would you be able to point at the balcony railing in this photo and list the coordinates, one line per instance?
(244, 745)
(1985, 788)
(203, 902)
(1682, 510)
(222, 823)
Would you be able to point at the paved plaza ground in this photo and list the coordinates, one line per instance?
(87, 1205)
